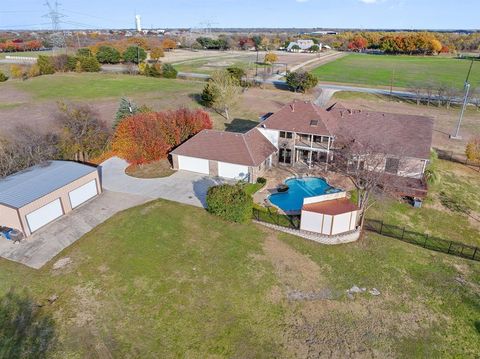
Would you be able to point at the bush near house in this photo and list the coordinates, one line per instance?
(230, 202)
(148, 137)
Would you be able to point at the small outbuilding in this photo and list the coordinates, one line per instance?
(329, 214)
(34, 197)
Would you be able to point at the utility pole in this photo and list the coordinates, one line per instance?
(391, 81)
(456, 135)
(256, 65)
(58, 37)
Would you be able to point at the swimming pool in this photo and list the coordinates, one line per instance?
(300, 188)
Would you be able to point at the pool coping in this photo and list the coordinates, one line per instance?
(295, 213)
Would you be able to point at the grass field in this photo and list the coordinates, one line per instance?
(377, 70)
(94, 86)
(168, 280)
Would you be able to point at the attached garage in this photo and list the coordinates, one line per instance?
(37, 196)
(193, 164)
(233, 171)
(236, 156)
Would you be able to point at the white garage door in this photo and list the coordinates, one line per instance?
(229, 170)
(44, 215)
(193, 164)
(83, 193)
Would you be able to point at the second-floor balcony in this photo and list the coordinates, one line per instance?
(312, 141)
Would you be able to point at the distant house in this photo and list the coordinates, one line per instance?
(300, 46)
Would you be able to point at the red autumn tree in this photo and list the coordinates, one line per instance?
(358, 43)
(148, 137)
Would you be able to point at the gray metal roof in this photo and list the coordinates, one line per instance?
(24, 187)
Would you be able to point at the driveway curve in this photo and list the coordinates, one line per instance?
(184, 187)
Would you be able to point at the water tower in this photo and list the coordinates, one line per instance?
(138, 23)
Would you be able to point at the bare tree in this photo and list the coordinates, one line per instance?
(417, 89)
(227, 92)
(27, 148)
(83, 135)
(451, 93)
(441, 90)
(429, 87)
(368, 166)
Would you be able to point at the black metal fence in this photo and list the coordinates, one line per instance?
(272, 217)
(424, 240)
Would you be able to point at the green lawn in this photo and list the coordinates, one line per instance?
(458, 185)
(165, 280)
(87, 86)
(377, 70)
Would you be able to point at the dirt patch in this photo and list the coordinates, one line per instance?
(157, 169)
(320, 323)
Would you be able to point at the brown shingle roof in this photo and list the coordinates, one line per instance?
(333, 207)
(249, 149)
(405, 135)
(300, 117)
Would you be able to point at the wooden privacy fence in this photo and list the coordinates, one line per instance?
(424, 240)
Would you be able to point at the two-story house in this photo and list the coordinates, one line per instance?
(301, 132)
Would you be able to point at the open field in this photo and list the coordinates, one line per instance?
(33, 102)
(378, 70)
(190, 285)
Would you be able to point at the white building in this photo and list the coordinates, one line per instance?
(138, 23)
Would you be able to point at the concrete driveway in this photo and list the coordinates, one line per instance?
(184, 187)
(50, 240)
(120, 192)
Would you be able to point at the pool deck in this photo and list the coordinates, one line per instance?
(277, 175)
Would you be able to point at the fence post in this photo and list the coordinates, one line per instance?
(449, 247)
(381, 228)
(403, 233)
(425, 243)
(475, 252)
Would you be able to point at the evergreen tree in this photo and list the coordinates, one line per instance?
(125, 109)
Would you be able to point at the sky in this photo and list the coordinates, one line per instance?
(364, 14)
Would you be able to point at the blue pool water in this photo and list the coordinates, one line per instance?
(300, 188)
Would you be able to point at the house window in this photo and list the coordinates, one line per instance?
(284, 134)
(285, 155)
(392, 165)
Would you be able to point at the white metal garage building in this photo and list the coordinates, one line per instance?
(225, 154)
(39, 195)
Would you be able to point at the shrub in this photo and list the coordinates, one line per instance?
(126, 108)
(134, 54)
(154, 70)
(108, 55)
(270, 58)
(85, 52)
(230, 202)
(169, 72)
(17, 71)
(3, 77)
(156, 53)
(45, 65)
(472, 150)
(33, 71)
(261, 180)
(60, 63)
(89, 64)
(71, 63)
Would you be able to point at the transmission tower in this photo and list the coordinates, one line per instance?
(58, 37)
